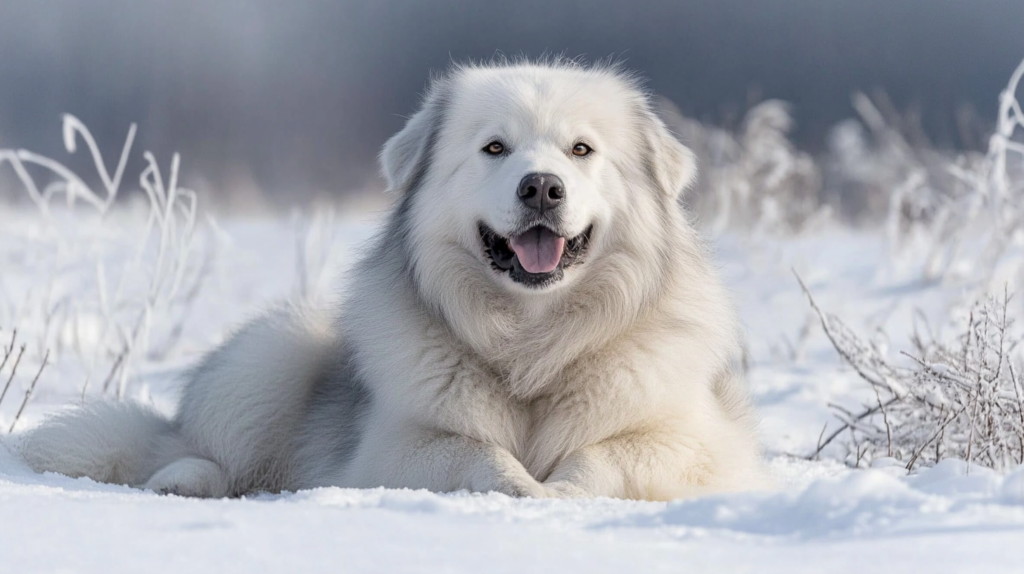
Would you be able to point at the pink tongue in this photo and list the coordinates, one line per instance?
(539, 250)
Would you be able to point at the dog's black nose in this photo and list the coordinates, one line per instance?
(541, 191)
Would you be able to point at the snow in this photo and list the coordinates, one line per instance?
(822, 517)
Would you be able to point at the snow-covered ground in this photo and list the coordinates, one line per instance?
(823, 517)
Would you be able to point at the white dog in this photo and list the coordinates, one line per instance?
(537, 318)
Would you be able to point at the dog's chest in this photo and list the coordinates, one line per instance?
(553, 428)
(584, 406)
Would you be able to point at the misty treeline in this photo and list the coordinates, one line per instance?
(873, 173)
(873, 167)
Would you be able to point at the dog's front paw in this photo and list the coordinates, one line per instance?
(499, 471)
(516, 487)
(564, 489)
(191, 477)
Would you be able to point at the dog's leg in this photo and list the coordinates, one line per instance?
(191, 476)
(449, 462)
(488, 468)
(634, 466)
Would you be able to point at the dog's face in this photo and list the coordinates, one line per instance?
(526, 168)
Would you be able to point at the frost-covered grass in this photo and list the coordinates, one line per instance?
(110, 283)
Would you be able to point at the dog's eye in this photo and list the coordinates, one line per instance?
(581, 150)
(495, 148)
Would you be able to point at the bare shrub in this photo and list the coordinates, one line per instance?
(959, 399)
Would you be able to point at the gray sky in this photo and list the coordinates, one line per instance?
(297, 96)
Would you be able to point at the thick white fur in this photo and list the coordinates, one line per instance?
(620, 380)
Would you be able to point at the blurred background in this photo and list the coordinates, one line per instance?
(279, 102)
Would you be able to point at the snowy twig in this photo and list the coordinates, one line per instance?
(8, 350)
(14, 370)
(28, 393)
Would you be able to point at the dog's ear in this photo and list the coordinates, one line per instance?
(407, 155)
(673, 165)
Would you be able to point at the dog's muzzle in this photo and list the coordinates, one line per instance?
(536, 257)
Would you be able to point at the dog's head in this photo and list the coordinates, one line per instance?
(526, 169)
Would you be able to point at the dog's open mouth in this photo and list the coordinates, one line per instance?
(536, 257)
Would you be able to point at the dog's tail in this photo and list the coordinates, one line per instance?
(107, 442)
